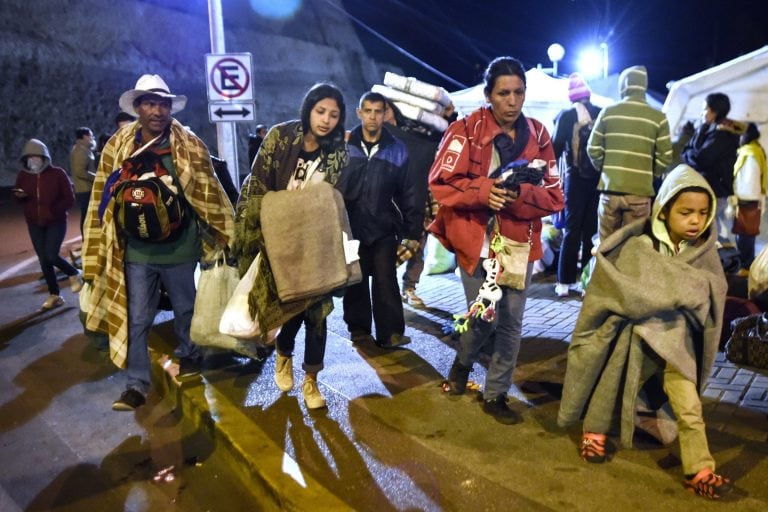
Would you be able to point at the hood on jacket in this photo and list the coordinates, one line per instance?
(35, 147)
(633, 81)
(681, 177)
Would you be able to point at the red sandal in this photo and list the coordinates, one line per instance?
(593, 447)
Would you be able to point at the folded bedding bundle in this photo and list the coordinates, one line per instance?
(435, 121)
(417, 88)
(404, 97)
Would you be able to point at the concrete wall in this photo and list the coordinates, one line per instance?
(66, 62)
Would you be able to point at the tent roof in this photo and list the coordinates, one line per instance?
(744, 79)
(545, 97)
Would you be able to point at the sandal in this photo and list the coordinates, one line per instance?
(708, 484)
(593, 447)
(456, 383)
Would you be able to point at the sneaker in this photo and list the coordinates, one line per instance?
(284, 372)
(561, 290)
(53, 301)
(76, 282)
(189, 367)
(395, 341)
(593, 447)
(130, 400)
(498, 408)
(708, 484)
(409, 297)
(458, 375)
(311, 393)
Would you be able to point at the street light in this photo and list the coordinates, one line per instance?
(555, 52)
(590, 63)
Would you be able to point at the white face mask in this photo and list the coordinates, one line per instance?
(34, 163)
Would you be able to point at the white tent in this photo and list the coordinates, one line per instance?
(545, 97)
(745, 81)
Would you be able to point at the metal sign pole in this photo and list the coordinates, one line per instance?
(226, 133)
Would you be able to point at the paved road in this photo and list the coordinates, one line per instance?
(388, 441)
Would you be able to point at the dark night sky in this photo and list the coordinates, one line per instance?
(672, 38)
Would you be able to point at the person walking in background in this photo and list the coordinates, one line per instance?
(572, 127)
(385, 217)
(750, 176)
(712, 151)
(294, 154)
(82, 165)
(254, 141)
(471, 202)
(126, 271)
(654, 307)
(422, 144)
(46, 194)
(629, 145)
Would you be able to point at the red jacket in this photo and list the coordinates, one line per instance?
(460, 183)
(49, 195)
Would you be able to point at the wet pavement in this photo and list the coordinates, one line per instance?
(389, 439)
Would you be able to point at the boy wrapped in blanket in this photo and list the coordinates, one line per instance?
(653, 309)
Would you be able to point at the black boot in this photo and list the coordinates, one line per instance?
(456, 384)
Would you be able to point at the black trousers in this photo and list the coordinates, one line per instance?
(383, 305)
(581, 201)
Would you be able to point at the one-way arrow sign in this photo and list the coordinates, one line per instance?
(230, 111)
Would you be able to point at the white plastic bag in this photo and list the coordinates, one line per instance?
(236, 320)
(216, 286)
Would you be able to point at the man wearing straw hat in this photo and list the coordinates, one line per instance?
(124, 272)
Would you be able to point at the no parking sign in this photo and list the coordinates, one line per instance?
(230, 86)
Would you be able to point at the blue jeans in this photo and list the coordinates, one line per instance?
(46, 241)
(508, 326)
(143, 288)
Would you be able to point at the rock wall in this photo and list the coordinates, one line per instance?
(66, 62)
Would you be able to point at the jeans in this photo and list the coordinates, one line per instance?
(616, 211)
(581, 200)
(143, 288)
(46, 240)
(415, 266)
(377, 261)
(508, 326)
(315, 335)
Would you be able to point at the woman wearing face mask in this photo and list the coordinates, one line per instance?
(47, 195)
(293, 155)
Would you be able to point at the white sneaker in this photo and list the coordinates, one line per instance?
(53, 301)
(76, 282)
(561, 290)
(284, 372)
(311, 392)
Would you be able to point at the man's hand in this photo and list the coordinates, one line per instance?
(406, 250)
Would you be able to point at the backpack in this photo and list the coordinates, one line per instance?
(582, 128)
(148, 205)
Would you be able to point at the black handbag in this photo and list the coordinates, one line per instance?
(748, 344)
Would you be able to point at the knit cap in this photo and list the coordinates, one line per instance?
(577, 88)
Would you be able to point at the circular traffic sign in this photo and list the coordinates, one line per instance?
(230, 78)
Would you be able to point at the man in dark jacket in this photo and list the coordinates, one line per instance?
(580, 186)
(712, 151)
(387, 220)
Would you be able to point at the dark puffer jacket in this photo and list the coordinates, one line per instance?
(712, 151)
(380, 198)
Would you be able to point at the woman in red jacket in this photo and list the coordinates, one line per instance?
(471, 201)
(47, 195)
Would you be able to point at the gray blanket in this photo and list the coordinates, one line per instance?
(639, 299)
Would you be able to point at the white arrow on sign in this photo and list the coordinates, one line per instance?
(227, 111)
